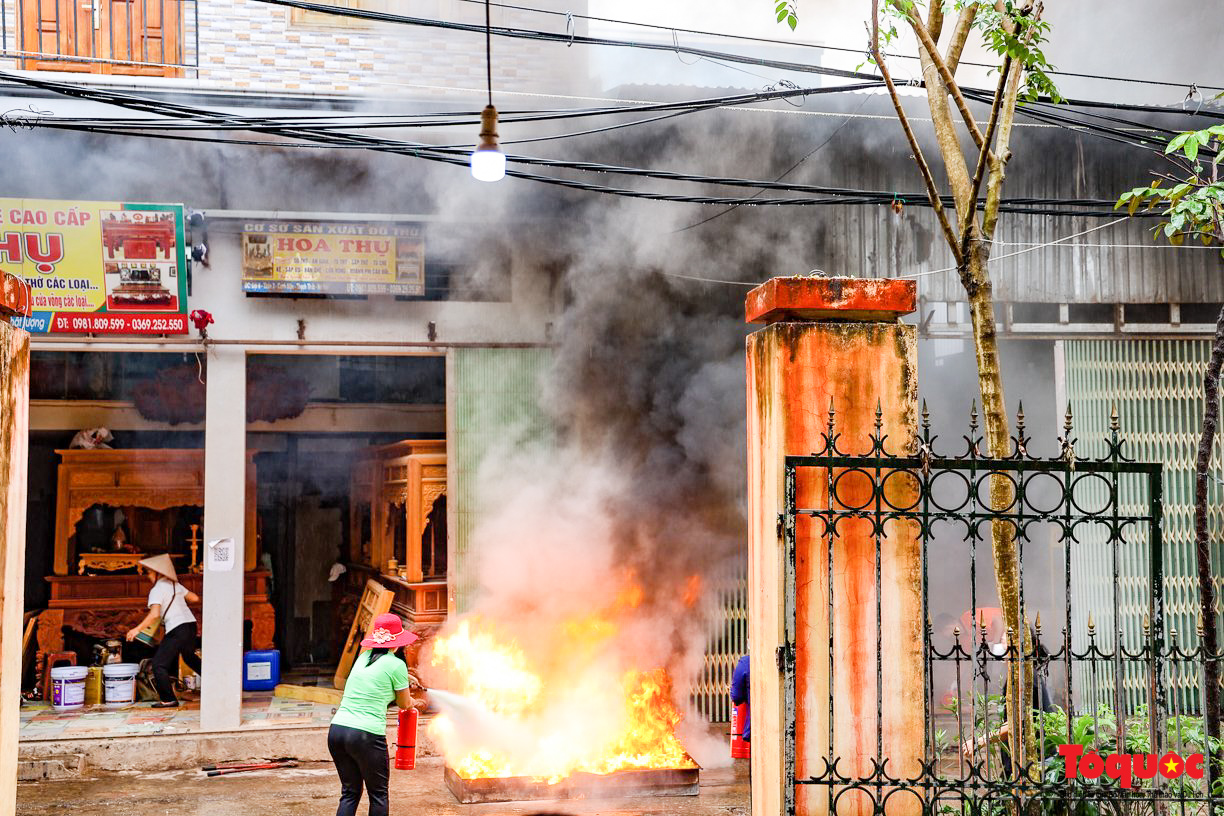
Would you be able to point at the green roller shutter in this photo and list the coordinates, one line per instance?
(493, 396)
(1156, 386)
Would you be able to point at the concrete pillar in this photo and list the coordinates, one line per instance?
(224, 517)
(833, 339)
(14, 447)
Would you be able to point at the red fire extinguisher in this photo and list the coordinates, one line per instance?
(740, 748)
(405, 740)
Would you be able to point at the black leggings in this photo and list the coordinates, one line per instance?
(179, 641)
(361, 758)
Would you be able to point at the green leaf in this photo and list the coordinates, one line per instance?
(1176, 143)
(782, 15)
(1191, 149)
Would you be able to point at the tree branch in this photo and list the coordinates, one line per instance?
(960, 35)
(984, 153)
(924, 38)
(919, 158)
(1007, 118)
(955, 165)
(935, 19)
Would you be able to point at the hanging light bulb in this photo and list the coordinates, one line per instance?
(488, 161)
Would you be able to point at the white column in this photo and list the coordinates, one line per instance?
(224, 517)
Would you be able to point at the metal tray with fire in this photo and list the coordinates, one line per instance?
(630, 782)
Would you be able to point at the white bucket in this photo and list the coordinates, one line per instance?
(119, 682)
(68, 687)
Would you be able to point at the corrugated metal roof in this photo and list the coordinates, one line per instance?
(1119, 263)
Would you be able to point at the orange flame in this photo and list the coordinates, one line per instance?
(560, 715)
(495, 674)
(692, 590)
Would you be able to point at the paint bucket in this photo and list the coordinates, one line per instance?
(119, 681)
(68, 687)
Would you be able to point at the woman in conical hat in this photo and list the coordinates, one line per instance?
(168, 601)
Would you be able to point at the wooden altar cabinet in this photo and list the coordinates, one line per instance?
(395, 490)
(108, 605)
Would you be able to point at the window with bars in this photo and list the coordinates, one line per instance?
(129, 37)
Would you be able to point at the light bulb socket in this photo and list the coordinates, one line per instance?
(488, 126)
(488, 162)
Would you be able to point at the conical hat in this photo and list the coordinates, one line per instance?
(161, 564)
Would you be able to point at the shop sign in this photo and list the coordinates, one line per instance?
(333, 258)
(97, 267)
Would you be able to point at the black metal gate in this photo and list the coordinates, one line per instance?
(1088, 537)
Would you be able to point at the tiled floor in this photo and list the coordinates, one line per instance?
(259, 710)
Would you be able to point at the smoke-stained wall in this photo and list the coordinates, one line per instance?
(641, 301)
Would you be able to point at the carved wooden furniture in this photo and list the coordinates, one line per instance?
(140, 285)
(108, 562)
(153, 479)
(375, 600)
(149, 240)
(139, 480)
(106, 606)
(397, 511)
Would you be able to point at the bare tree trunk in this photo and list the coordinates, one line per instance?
(1006, 558)
(970, 245)
(1202, 541)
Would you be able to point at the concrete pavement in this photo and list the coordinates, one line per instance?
(313, 790)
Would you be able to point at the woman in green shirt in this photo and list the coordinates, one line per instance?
(357, 738)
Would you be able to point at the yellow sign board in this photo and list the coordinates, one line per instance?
(97, 267)
(337, 258)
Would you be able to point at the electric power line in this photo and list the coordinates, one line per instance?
(818, 195)
(676, 47)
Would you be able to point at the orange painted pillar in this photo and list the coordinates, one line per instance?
(14, 450)
(836, 339)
